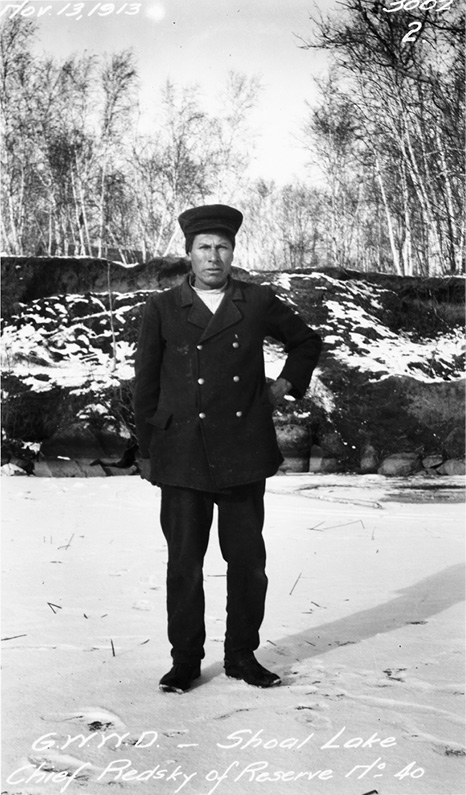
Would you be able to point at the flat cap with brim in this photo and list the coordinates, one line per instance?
(210, 217)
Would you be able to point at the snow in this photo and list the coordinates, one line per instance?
(364, 624)
(68, 341)
(12, 469)
(283, 280)
(402, 356)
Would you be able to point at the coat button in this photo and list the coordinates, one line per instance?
(199, 347)
(239, 413)
(236, 378)
(201, 381)
(235, 344)
(202, 415)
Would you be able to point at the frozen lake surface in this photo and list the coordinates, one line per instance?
(364, 622)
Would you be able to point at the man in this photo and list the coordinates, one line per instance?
(204, 423)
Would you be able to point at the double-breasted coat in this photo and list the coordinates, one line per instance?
(201, 403)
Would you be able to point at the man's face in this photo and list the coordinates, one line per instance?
(211, 257)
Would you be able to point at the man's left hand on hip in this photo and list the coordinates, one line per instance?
(278, 389)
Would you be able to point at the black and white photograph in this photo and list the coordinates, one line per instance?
(233, 397)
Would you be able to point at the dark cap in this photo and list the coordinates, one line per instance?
(210, 217)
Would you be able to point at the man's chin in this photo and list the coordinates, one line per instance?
(214, 280)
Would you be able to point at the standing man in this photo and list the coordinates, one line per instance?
(204, 423)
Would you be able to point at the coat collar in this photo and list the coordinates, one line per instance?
(226, 315)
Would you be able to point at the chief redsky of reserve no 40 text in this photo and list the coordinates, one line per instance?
(121, 770)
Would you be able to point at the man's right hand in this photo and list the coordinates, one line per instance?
(144, 468)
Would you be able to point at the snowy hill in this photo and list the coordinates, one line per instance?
(390, 375)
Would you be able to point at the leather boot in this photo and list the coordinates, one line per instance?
(180, 677)
(243, 665)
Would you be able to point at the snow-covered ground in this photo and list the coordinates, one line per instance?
(364, 623)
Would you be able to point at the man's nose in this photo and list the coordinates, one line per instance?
(214, 255)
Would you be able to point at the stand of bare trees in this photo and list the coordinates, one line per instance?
(79, 178)
(390, 135)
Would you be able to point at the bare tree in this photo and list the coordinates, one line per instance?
(332, 138)
(17, 71)
(118, 78)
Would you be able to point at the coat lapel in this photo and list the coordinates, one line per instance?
(226, 315)
(199, 314)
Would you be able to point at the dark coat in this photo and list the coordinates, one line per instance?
(201, 402)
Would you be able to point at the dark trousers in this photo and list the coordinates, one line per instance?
(186, 519)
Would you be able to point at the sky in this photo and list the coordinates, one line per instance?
(200, 41)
